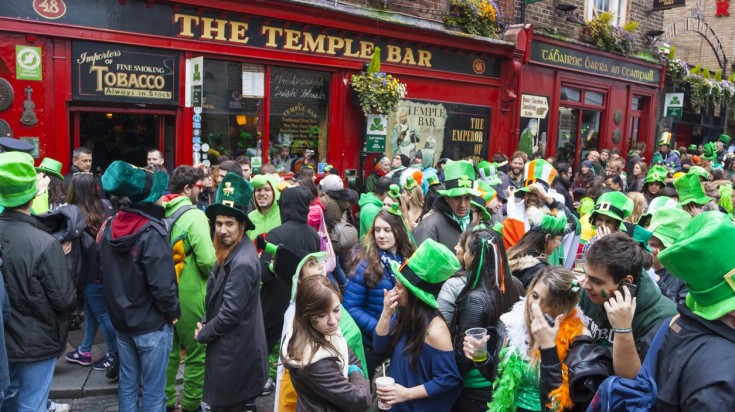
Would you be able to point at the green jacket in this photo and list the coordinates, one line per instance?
(264, 224)
(651, 309)
(370, 205)
(199, 259)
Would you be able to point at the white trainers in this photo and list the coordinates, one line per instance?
(58, 407)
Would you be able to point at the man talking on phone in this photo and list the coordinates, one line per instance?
(622, 303)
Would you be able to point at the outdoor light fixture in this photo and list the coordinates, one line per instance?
(566, 8)
(576, 20)
(654, 33)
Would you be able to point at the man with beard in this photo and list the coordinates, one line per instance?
(236, 358)
(670, 159)
(193, 258)
(514, 178)
(267, 213)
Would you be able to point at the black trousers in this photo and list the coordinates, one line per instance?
(473, 400)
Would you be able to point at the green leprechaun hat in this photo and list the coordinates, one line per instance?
(537, 171)
(668, 223)
(612, 204)
(657, 173)
(488, 172)
(233, 197)
(710, 276)
(487, 194)
(692, 149)
(725, 139)
(699, 171)
(690, 190)
(394, 191)
(459, 178)
(17, 179)
(709, 151)
(657, 203)
(410, 183)
(137, 184)
(50, 167)
(426, 270)
(665, 139)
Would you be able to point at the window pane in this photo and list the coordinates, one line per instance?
(635, 103)
(567, 135)
(593, 98)
(570, 94)
(589, 132)
(298, 118)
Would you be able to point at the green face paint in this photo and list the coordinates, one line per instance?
(603, 293)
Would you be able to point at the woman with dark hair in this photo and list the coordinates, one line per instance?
(490, 291)
(655, 181)
(325, 372)
(431, 195)
(529, 256)
(640, 170)
(585, 175)
(209, 191)
(413, 333)
(83, 194)
(385, 243)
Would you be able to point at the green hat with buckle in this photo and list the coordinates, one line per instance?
(697, 258)
(709, 151)
(699, 171)
(612, 204)
(426, 270)
(690, 190)
(668, 223)
(725, 139)
(50, 167)
(536, 171)
(657, 173)
(138, 184)
(17, 179)
(459, 178)
(233, 198)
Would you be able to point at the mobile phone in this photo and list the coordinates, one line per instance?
(633, 288)
(549, 319)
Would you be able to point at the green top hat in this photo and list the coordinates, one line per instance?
(699, 171)
(657, 173)
(17, 179)
(410, 183)
(426, 270)
(459, 178)
(690, 190)
(553, 225)
(537, 171)
(692, 148)
(697, 258)
(394, 191)
(233, 197)
(665, 139)
(725, 139)
(613, 204)
(138, 184)
(433, 181)
(668, 223)
(488, 172)
(50, 167)
(709, 151)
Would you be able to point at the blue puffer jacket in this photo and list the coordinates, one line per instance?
(364, 303)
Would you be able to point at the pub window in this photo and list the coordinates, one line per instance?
(595, 98)
(617, 7)
(571, 94)
(232, 121)
(299, 101)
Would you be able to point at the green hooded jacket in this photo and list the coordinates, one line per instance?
(370, 205)
(264, 223)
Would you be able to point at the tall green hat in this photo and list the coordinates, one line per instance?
(657, 173)
(690, 190)
(488, 172)
(665, 139)
(50, 167)
(668, 223)
(410, 183)
(487, 194)
(699, 171)
(138, 184)
(433, 180)
(536, 171)
(233, 197)
(697, 258)
(17, 179)
(459, 177)
(553, 225)
(394, 191)
(426, 270)
(709, 151)
(613, 204)
(725, 139)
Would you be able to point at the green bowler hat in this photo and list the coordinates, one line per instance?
(690, 190)
(233, 197)
(697, 258)
(612, 204)
(50, 167)
(657, 173)
(668, 223)
(459, 177)
(17, 179)
(426, 270)
(138, 184)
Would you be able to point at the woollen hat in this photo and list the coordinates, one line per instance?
(612, 204)
(233, 198)
(699, 171)
(725, 139)
(17, 179)
(332, 183)
(138, 184)
(424, 273)
(459, 178)
(536, 171)
(668, 223)
(697, 258)
(50, 167)
(690, 190)
(657, 173)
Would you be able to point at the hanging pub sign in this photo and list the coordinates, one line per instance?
(110, 72)
(667, 4)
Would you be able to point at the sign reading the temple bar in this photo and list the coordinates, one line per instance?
(560, 56)
(110, 72)
(667, 4)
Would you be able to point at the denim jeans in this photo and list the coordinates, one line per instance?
(95, 314)
(30, 383)
(143, 360)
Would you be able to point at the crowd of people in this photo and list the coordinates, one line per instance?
(511, 285)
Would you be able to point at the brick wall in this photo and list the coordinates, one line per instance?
(692, 47)
(425, 9)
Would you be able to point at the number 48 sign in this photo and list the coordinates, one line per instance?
(49, 9)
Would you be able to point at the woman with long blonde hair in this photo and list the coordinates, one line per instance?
(413, 200)
(639, 206)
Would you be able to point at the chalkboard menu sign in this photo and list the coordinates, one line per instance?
(298, 110)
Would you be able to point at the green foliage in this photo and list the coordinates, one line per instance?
(600, 32)
(479, 17)
(672, 53)
(631, 26)
(718, 75)
(377, 91)
(374, 66)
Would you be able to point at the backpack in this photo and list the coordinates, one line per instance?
(180, 244)
(344, 235)
(632, 395)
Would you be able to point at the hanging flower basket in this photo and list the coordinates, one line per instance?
(377, 92)
(479, 17)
